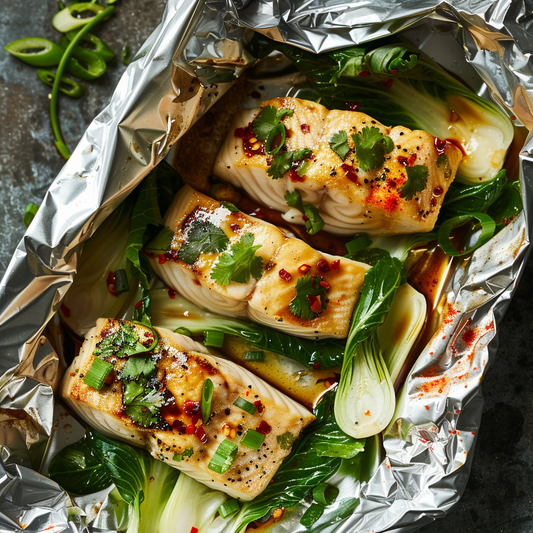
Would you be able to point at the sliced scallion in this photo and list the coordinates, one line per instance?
(255, 356)
(185, 453)
(214, 338)
(207, 398)
(325, 494)
(97, 373)
(229, 508)
(252, 439)
(245, 405)
(358, 244)
(224, 457)
(312, 514)
(121, 281)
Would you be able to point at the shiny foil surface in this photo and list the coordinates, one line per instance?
(164, 91)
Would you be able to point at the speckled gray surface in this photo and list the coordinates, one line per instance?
(499, 495)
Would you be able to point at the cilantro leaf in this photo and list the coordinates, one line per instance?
(161, 242)
(282, 162)
(339, 144)
(267, 120)
(188, 452)
(239, 264)
(135, 366)
(417, 178)
(122, 343)
(144, 408)
(307, 286)
(370, 147)
(132, 389)
(314, 222)
(230, 206)
(203, 237)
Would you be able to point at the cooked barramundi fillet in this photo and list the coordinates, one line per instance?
(402, 193)
(153, 399)
(236, 265)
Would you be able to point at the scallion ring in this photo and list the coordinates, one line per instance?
(224, 457)
(253, 439)
(97, 373)
(245, 405)
(229, 508)
(488, 227)
(66, 19)
(214, 338)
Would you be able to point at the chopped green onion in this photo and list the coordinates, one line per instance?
(213, 338)
(224, 457)
(31, 211)
(97, 373)
(207, 398)
(252, 439)
(312, 515)
(229, 508)
(67, 19)
(325, 494)
(183, 331)
(487, 231)
(126, 56)
(278, 129)
(255, 356)
(121, 281)
(302, 168)
(185, 453)
(358, 244)
(245, 405)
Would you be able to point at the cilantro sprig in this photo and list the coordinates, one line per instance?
(417, 178)
(370, 147)
(267, 120)
(314, 222)
(339, 144)
(240, 263)
(144, 408)
(203, 237)
(123, 342)
(135, 366)
(307, 288)
(282, 162)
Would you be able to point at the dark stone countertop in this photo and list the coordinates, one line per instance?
(498, 497)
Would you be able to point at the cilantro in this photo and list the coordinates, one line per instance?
(185, 453)
(144, 409)
(314, 222)
(135, 366)
(300, 304)
(417, 178)
(161, 242)
(339, 144)
(239, 264)
(132, 389)
(370, 147)
(230, 206)
(267, 120)
(203, 237)
(286, 440)
(124, 342)
(282, 161)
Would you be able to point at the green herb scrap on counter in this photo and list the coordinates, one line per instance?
(78, 53)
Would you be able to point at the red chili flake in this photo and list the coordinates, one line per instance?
(65, 310)
(138, 304)
(284, 275)
(394, 71)
(312, 299)
(305, 128)
(437, 191)
(427, 407)
(458, 410)
(263, 428)
(235, 227)
(402, 160)
(433, 202)
(350, 173)
(195, 419)
(317, 366)
(200, 434)
(171, 294)
(295, 177)
(440, 146)
(269, 159)
(335, 264)
(513, 118)
(304, 269)
(325, 285)
(192, 408)
(260, 406)
(72, 374)
(323, 265)
(194, 530)
(387, 83)
(368, 413)
(315, 304)
(364, 73)
(190, 429)
(162, 259)
(411, 160)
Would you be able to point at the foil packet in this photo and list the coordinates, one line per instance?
(186, 65)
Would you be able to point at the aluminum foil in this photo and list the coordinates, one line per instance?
(164, 91)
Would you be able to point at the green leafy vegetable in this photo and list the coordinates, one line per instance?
(311, 515)
(314, 222)
(507, 206)
(267, 120)
(306, 288)
(358, 244)
(488, 227)
(188, 452)
(282, 162)
(370, 147)
(161, 242)
(325, 494)
(239, 264)
(202, 237)
(417, 178)
(339, 144)
(135, 366)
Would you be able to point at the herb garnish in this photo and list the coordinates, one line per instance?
(203, 237)
(417, 178)
(308, 288)
(267, 120)
(135, 366)
(339, 144)
(188, 452)
(144, 408)
(370, 147)
(282, 162)
(314, 222)
(161, 242)
(123, 342)
(239, 264)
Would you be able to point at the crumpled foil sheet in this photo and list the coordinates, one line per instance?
(430, 442)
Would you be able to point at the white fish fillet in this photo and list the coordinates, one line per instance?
(182, 368)
(349, 200)
(267, 299)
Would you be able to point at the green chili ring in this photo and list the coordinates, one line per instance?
(99, 47)
(74, 90)
(64, 20)
(96, 66)
(488, 227)
(46, 54)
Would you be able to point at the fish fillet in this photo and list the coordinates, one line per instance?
(182, 366)
(349, 200)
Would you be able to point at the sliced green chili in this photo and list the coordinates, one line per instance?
(69, 18)
(29, 214)
(84, 64)
(487, 231)
(127, 55)
(56, 129)
(98, 46)
(36, 51)
(69, 87)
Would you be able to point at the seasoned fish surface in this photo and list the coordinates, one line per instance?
(177, 434)
(349, 199)
(267, 296)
